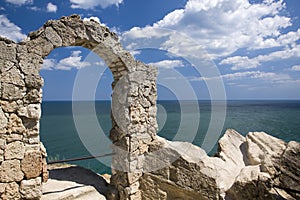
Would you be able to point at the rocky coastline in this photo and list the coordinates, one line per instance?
(258, 166)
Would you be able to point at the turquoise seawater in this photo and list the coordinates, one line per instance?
(177, 120)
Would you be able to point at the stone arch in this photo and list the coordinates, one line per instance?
(22, 156)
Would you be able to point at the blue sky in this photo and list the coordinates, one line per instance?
(253, 45)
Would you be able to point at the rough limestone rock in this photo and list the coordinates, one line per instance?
(10, 171)
(31, 189)
(32, 164)
(11, 191)
(257, 166)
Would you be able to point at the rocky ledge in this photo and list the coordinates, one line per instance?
(257, 166)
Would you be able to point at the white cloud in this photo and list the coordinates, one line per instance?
(270, 77)
(240, 62)
(90, 4)
(74, 61)
(10, 30)
(296, 68)
(168, 64)
(51, 7)
(49, 64)
(19, 2)
(244, 62)
(95, 19)
(34, 8)
(221, 26)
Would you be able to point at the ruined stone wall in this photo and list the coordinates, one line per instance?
(22, 156)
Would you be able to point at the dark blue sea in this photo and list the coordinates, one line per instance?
(177, 120)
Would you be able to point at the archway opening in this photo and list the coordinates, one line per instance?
(58, 130)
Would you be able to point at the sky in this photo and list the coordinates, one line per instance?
(204, 49)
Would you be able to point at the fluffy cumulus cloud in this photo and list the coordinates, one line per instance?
(74, 61)
(223, 26)
(10, 30)
(96, 19)
(51, 7)
(19, 2)
(168, 64)
(90, 4)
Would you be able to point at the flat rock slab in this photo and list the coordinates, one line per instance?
(72, 182)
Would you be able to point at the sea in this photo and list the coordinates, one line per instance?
(200, 122)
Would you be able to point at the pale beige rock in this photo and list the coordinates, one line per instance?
(10, 171)
(1, 155)
(13, 76)
(12, 92)
(14, 150)
(32, 111)
(8, 106)
(2, 143)
(31, 189)
(2, 188)
(32, 164)
(15, 124)
(11, 192)
(251, 183)
(261, 145)
(3, 119)
(14, 137)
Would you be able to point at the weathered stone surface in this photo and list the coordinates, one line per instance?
(53, 37)
(3, 119)
(2, 143)
(8, 106)
(231, 175)
(10, 171)
(15, 125)
(251, 183)
(31, 189)
(32, 164)
(1, 155)
(7, 51)
(13, 76)
(14, 150)
(32, 111)
(261, 145)
(14, 137)
(29, 63)
(12, 92)
(11, 191)
(2, 188)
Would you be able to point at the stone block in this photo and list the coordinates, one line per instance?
(13, 76)
(32, 111)
(12, 92)
(32, 164)
(15, 125)
(31, 189)
(11, 192)
(53, 37)
(14, 150)
(14, 137)
(10, 171)
(3, 119)
(2, 143)
(9, 106)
